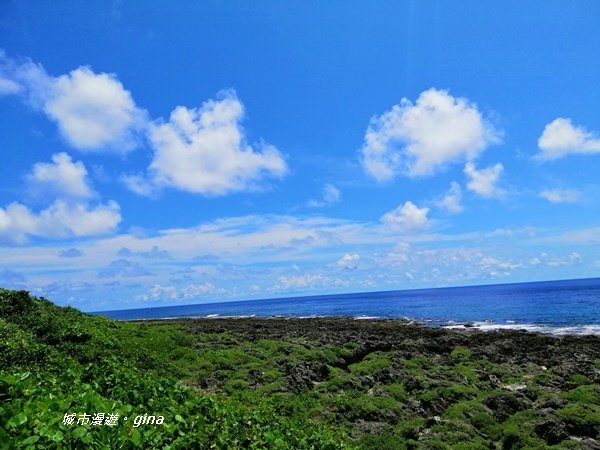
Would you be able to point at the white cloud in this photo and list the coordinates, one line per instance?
(16, 223)
(61, 178)
(93, 111)
(331, 195)
(197, 290)
(60, 220)
(205, 151)
(561, 195)
(459, 264)
(9, 86)
(349, 261)
(71, 214)
(572, 259)
(484, 182)
(488, 262)
(304, 282)
(159, 292)
(63, 219)
(452, 199)
(535, 261)
(407, 217)
(424, 138)
(560, 138)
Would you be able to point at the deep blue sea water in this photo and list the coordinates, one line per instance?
(570, 306)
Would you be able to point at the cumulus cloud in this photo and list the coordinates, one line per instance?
(60, 220)
(560, 138)
(451, 201)
(406, 218)
(484, 182)
(331, 195)
(197, 290)
(561, 195)
(69, 212)
(423, 138)
(349, 261)
(16, 223)
(63, 220)
(60, 178)
(205, 151)
(93, 111)
(159, 292)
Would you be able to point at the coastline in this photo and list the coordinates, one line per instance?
(403, 334)
(482, 326)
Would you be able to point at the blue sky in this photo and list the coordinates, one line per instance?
(186, 152)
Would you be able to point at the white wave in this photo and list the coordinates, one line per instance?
(511, 325)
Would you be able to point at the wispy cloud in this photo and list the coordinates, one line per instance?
(452, 200)
(561, 195)
(331, 195)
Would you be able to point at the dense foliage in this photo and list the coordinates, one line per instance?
(56, 361)
(250, 384)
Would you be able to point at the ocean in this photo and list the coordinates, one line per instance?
(558, 307)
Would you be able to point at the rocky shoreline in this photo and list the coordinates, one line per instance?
(501, 375)
(409, 337)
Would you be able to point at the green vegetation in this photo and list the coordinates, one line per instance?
(57, 361)
(223, 387)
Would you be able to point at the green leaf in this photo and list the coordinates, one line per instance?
(17, 420)
(57, 437)
(31, 440)
(136, 437)
(79, 432)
